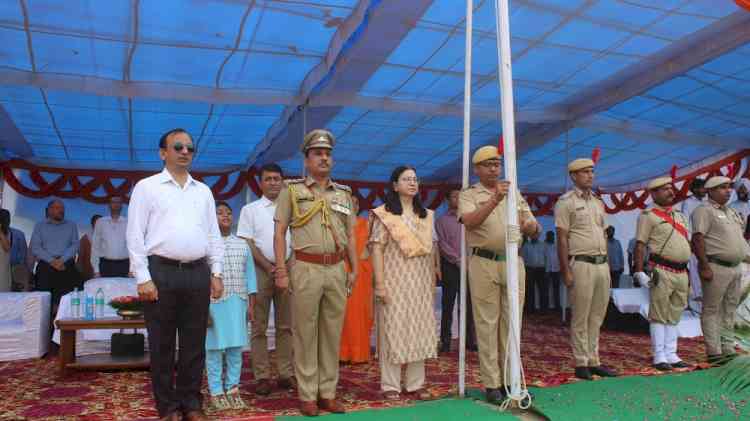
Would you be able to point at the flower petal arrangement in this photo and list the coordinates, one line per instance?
(127, 303)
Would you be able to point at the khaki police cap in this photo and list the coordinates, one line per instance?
(318, 138)
(659, 182)
(579, 164)
(484, 153)
(716, 181)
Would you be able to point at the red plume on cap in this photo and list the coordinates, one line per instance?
(500, 146)
(673, 172)
(731, 173)
(596, 154)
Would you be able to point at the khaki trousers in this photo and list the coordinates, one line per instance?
(390, 373)
(318, 301)
(720, 299)
(266, 295)
(489, 298)
(668, 298)
(589, 298)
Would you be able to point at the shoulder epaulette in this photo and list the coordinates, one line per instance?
(342, 186)
(567, 194)
(294, 180)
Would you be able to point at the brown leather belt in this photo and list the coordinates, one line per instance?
(326, 259)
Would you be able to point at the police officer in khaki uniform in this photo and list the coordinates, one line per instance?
(719, 247)
(319, 213)
(582, 250)
(665, 232)
(482, 209)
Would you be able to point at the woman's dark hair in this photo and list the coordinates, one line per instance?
(94, 218)
(392, 200)
(225, 204)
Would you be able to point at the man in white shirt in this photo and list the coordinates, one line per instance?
(256, 227)
(742, 205)
(698, 197)
(109, 252)
(176, 253)
(697, 187)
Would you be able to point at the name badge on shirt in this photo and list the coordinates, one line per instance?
(340, 208)
(721, 216)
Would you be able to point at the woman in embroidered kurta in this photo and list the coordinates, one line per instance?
(405, 262)
(227, 334)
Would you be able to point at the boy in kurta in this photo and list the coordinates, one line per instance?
(227, 334)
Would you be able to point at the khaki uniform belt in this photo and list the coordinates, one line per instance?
(669, 264)
(724, 263)
(488, 254)
(594, 260)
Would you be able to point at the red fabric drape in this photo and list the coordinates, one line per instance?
(84, 184)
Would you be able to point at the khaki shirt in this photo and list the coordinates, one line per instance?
(583, 219)
(661, 237)
(722, 229)
(314, 237)
(490, 234)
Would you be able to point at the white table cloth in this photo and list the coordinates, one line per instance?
(636, 300)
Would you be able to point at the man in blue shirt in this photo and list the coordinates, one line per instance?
(615, 257)
(54, 242)
(20, 272)
(533, 256)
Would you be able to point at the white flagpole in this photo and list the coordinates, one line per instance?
(465, 183)
(513, 373)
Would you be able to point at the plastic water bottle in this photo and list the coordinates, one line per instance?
(99, 303)
(75, 304)
(89, 307)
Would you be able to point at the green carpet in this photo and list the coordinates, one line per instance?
(441, 410)
(689, 396)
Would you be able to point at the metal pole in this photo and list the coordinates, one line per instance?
(465, 183)
(513, 375)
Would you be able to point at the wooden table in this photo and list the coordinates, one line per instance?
(68, 360)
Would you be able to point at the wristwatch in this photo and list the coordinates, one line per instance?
(217, 275)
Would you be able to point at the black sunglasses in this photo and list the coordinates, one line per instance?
(178, 146)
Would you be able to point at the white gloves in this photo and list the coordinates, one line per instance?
(643, 279)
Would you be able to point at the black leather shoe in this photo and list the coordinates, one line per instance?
(495, 396)
(663, 367)
(583, 373)
(602, 371)
(680, 364)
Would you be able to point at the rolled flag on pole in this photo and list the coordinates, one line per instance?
(596, 154)
(500, 146)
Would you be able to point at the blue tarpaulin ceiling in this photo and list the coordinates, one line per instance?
(93, 84)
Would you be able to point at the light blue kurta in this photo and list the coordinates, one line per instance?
(229, 314)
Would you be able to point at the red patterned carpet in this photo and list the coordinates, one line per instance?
(32, 390)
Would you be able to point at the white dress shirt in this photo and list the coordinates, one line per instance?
(689, 205)
(743, 208)
(108, 240)
(175, 222)
(257, 224)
